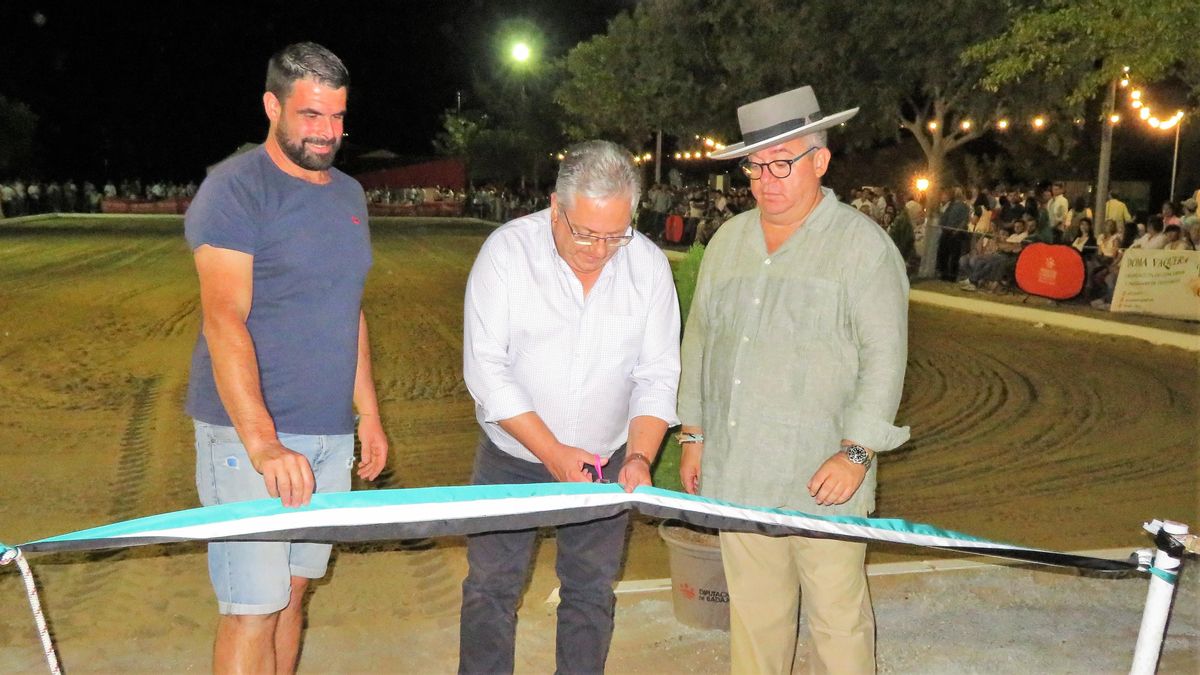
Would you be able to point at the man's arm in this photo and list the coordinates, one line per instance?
(645, 436)
(879, 318)
(656, 382)
(370, 427)
(691, 403)
(488, 374)
(226, 289)
(565, 462)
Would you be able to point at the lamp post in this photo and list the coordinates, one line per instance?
(521, 53)
(1175, 159)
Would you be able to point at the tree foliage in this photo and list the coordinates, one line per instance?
(1087, 43)
(684, 66)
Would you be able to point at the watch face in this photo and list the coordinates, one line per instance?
(858, 454)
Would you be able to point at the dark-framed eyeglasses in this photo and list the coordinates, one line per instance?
(780, 168)
(591, 239)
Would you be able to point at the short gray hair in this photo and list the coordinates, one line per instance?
(818, 139)
(598, 170)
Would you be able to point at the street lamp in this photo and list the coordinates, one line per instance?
(922, 184)
(521, 52)
(1177, 122)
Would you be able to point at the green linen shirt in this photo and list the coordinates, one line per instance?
(786, 354)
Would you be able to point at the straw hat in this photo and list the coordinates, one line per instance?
(779, 118)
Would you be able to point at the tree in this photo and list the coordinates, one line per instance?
(17, 126)
(1091, 43)
(901, 64)
(642, 77)
(685, 65)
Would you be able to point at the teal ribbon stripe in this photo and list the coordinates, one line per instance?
(581, 497)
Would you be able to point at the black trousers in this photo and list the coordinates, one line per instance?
(950, 249)
(589, 559)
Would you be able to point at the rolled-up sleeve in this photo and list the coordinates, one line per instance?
(656, 375)
(486, 363)
(879, 314)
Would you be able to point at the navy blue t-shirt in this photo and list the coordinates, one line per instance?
(312, 250)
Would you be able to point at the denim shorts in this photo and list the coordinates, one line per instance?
(255, 577)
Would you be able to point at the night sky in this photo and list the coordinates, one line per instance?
(161, 90)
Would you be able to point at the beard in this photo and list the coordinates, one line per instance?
(299, 153)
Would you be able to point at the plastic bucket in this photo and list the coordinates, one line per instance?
(698, 590)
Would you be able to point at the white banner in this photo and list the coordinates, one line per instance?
(1160, 283)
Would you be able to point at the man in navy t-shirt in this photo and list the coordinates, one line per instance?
(282, 250)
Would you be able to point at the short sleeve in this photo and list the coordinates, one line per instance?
(223, 214)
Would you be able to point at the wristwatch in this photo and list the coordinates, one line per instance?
(858, 455)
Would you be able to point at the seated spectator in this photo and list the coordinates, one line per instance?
(1168, 214)
(983, 244)
(1177, 240)
(1109, 242)
(996, 267)
(1154, 237)
(1085, 241)
(1079, 211)
(889, 217)
(1043, 230)
(1189, 218)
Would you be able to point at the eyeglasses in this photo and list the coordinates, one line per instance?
(780, 168)
(591, 239)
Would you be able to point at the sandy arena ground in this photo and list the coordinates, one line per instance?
(1042, 437)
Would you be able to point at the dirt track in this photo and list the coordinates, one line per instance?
(1037, 436)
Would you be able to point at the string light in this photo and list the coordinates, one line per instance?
(966, 125)
(1114, 118)
(933, 126)
(1138, 102)
(1002, 125)
(1039, 122)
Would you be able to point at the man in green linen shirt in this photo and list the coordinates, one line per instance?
(793, 365)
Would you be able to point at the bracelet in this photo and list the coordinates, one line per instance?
(685, 438)
(637, 456)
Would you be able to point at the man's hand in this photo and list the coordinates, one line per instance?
(287, 474)
(374, 446)
(566, 463)
(837, 480)
(689, 467)
(635, 473)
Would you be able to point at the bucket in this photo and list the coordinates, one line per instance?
(698, 590)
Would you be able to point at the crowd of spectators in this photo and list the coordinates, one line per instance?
(501, 204)
(20, 197)
(701, 211)
(414, 195)
(983, 230)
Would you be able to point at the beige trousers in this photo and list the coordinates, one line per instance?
(768, 578)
